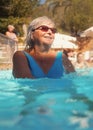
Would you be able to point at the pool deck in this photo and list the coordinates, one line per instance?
(5, 66)
(8, 65)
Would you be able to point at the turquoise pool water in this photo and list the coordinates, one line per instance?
(47, 104)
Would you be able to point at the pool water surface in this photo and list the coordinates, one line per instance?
(47, 104)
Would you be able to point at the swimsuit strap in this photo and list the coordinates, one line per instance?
(34, 67)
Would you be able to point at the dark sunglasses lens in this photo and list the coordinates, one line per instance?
(53, 30)
(45, 29)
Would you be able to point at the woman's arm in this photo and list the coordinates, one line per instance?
(67, 64)
(20, 66)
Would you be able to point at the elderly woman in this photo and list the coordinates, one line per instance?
(38, 60)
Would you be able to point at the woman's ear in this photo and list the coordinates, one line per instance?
(32, 36)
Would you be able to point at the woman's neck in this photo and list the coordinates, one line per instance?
(42, 49)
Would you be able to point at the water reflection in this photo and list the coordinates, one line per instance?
(65, 103)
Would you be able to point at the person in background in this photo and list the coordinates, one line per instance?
(38, 60)
(13, 41)
(81, 62)
(68, 52)
(71, 54)
(10, 33)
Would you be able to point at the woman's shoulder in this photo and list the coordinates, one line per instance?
(18, 54)
(19, 57)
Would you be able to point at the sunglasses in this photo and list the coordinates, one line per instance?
(44, 28)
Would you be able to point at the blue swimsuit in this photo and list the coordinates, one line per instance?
(56, 71)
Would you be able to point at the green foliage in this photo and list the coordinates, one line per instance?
(66, 13)
(17, 8)
(79, 14)
(15, 12)
(72, 13)
(22, 8)
(4, 8)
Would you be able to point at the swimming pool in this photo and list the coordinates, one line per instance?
(47, 104)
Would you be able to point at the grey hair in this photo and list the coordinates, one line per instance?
(33, 25)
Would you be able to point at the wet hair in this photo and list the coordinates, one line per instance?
(33, 25)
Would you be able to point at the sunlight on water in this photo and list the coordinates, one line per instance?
(54, 104)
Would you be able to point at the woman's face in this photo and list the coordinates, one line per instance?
(44, 34)
(80, 58)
